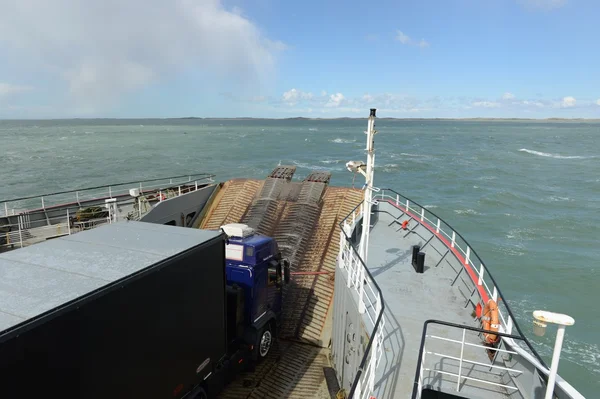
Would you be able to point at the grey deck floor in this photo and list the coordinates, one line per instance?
(411, 299)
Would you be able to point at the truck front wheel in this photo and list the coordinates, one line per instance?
(263, 343)
(200, 393)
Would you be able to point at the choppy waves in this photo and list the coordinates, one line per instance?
(342, 141)
(549, 155)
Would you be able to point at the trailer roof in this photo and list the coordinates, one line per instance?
(40, 277)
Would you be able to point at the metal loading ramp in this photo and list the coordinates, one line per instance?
(303, 216)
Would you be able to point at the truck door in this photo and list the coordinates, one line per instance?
(259, 291)
(274, 286)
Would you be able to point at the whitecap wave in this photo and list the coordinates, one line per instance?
(304, 165)
(330, 161)
(341, 141)
(556, 198)
(549, 155)
(406, 154)
(466, 212)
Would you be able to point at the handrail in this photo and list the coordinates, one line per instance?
(114, 190)
(20, 230)
(473, 252)
(206, 176)
(378, 321)
(415, 391)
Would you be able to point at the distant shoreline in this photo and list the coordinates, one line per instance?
(300, 118)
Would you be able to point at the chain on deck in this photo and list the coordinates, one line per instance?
(304, 218)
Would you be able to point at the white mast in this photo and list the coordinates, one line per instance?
(367, 171)
(364, 241)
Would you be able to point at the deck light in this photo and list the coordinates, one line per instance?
(541, 318)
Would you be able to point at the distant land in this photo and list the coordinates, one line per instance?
(409, 119)
(301, 118)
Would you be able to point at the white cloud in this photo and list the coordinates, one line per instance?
(7, 89)
(402, 38)
(485, 104)
(335, 100)
(323, 93)
(103, 52)
(533, 103)
(598, 102)
(568, 102)
(368, 98)
(292, 96)
(508, 96)
(423, 43)
(543, 4)
(407, 40)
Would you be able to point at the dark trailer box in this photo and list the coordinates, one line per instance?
(127, 310)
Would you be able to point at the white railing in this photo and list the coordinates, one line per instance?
(460, 376)
(484, 283)
(458, 245)
(16, 206)
(370, 300)
(24, 231)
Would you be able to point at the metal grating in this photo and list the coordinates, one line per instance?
(303, 217)
(283, 172)
(319, 177)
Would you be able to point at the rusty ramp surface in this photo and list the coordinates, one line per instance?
(303, 216)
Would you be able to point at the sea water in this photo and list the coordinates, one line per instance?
(526, 195)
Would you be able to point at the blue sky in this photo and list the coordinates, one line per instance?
(267, 58)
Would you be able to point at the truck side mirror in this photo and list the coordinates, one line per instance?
(286, 271)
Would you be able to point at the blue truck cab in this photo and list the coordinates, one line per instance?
(255, 273)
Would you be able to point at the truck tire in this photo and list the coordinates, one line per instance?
(200, 393)
(264, 342)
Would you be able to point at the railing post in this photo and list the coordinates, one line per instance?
(495, 295)
(420, 383)
(422, 214)
(43, 206)
(397, 199)
(509, 325)
(349, 262)
(6, 209)
(160, 196)
(358, 390)
(179, 189)
(481, 270)
(196, 184)
(68, 222)
(407, 202)
(77, 197)
(374, 348)
(462, 348)
(109, 192)
(467, 255)
(361, 292)
(437, 229)
(141, 190)
(341, 251)
(20, 234)
(453, 239)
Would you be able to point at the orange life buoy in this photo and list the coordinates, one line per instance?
(489, 321)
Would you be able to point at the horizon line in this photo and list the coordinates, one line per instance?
(311, 118)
